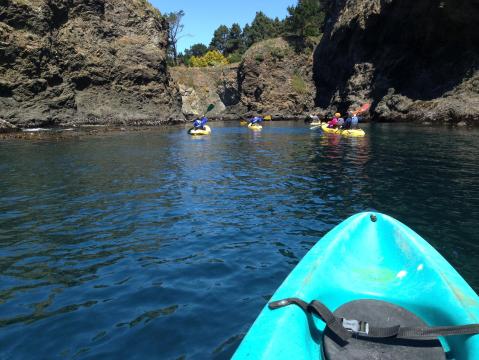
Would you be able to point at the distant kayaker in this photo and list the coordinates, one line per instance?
(200, 124)
(256, 120)
(340, 122)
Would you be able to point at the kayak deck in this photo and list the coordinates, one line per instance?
(362, 259)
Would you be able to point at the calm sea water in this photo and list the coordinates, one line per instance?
(159, 245)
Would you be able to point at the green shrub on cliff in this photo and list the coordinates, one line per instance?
(234, 58)
(211, 58)
(298, 83)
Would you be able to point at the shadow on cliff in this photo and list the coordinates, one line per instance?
(421, 49)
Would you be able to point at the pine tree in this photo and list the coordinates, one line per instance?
(234, 43)
(305, 19)
(220, 39)
(196, 50)
(261, 28)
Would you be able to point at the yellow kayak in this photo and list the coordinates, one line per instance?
(255, 127)
(205, 131)
(350, 133)
(243, 122)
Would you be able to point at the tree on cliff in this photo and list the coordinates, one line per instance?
(174, 30)
(196, 50)
(235, 43)
(228, 40)
(305, 19)
(261, 28)
(220, 39)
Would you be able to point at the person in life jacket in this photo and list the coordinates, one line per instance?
(256, 120)
(347, 122)
(334, 122)
(200, 124)
(354, 121)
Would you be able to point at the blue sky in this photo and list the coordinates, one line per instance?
(203, 17)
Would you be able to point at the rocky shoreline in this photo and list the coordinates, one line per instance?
(65, 132)
(103, 62)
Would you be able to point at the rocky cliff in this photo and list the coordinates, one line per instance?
(414, 60)
(84, 61)
(216, 85)
(275, 77)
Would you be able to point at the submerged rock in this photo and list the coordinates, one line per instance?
(84, 61)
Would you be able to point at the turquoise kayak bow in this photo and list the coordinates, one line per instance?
(372, 259)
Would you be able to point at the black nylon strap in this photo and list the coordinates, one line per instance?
(335, 324)
(320, 310)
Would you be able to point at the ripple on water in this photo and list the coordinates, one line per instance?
(155, 244)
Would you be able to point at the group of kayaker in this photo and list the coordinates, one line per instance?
(338, 125)
(337, 122)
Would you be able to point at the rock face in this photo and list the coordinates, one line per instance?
(275, 77)
(84, 61)
(200, 87)
(6, 127)
(414, 60)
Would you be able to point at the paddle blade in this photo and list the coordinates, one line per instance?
(210, 107)
(363, 108)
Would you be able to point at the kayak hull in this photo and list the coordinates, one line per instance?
(255, 127)
(362, 259)
(348, 133)
(205, 131)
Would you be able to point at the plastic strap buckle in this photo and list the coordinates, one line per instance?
(356, 326)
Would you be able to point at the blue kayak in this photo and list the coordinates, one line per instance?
(368, 257)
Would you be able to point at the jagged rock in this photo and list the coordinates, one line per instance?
(276, 77)
(426, 51)
(84, 60)
(200, 87)
(6, 127)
